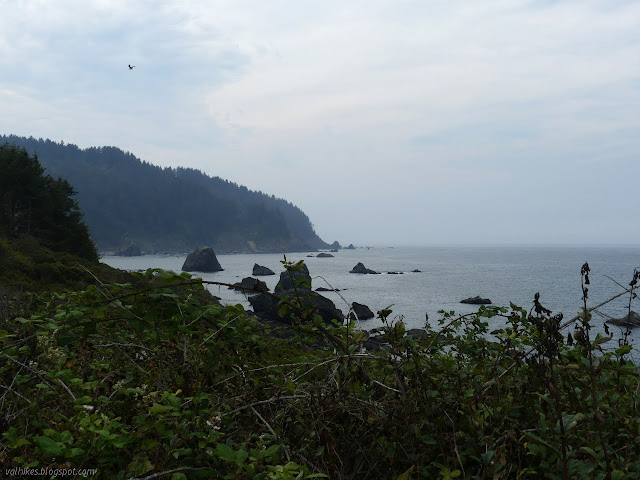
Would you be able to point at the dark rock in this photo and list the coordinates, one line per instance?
(301, 278)
(132, 250)
(334, 250)
(395, 273)
(350, 247)
(361, 312)
(335, 246)
(324, 255)
(416, 333)
(265, 306)
(323, 289)
(202, 259)
(629, 320)
(375, 342)
(416, 271)
(254, 284)
(259, 270)
(476, 301)
(360, 268)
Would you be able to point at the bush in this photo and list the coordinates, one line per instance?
(155, 379)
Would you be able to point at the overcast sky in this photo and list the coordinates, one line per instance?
(387, 122)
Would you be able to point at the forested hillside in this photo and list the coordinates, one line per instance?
(128, 200)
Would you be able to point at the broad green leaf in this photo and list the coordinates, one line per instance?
(48, 446)
(75, 452)
(225, 452)
(158, 408)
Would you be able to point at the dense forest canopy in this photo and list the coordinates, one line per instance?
(126, 200)
(37, 205)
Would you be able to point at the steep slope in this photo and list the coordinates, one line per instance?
(127, 200)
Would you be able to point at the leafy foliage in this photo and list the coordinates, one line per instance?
(156, 379)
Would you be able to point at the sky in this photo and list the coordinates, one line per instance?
(387, 122)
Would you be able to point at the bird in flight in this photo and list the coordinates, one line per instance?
(131, 67)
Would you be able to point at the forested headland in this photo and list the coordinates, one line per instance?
(126, 200)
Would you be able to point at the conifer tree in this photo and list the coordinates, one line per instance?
(36, 205)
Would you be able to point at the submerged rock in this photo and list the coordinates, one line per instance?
(324, 255)
(202, 259)
(629, 320)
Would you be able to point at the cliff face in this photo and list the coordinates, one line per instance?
(124, 199)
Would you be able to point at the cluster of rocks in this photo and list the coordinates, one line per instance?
(293, 284)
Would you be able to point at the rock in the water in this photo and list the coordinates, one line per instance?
(132, 250)
(324, 255)
(417, 333)
(324, 289)
(629, 320)
(395, 273)
(266, 306)
(350, 247)
(361, 312)
(476, 301)
(259, 270)
(360, 268)
(335, 246)
(202, 259)
(416, 271)
(301, 278)
(254, 284)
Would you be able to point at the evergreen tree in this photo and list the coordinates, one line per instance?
(37, 205)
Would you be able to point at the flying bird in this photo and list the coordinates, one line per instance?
(131, 67)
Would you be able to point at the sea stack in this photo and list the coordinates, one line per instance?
(202, 259)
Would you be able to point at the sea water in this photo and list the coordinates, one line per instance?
(446, 275)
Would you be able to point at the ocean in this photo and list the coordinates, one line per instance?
(447, 275)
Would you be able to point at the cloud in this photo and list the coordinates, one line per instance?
(368, 108)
